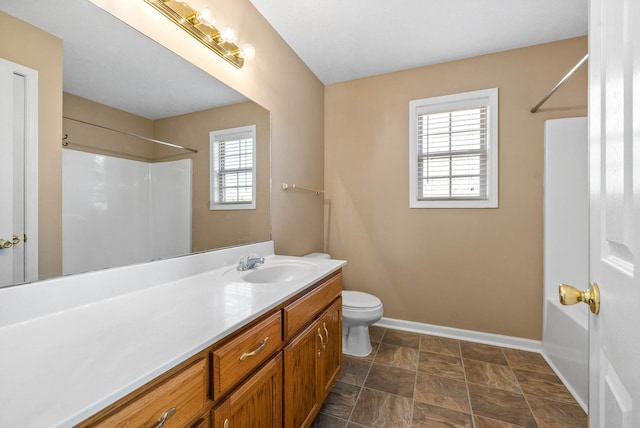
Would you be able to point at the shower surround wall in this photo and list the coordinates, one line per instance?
(565, 338)
(143, 209)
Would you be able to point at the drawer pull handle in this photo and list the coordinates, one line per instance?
(255, 351)
(326, 335)
(165, 417)
(226, 423)
(322, 345)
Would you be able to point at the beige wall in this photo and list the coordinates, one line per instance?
(215, 229)
(280, 82)
(30, 47)
(92, 139)
(476, 269)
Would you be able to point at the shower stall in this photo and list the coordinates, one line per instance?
(118, 211)
(566, 251)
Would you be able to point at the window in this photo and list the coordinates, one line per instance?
(454, 151)
(233, 168)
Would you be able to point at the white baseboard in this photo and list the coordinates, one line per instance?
(457, 333)
(567, 384)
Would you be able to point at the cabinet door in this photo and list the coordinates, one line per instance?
(301, 358)
(256, 403)
(330, 361)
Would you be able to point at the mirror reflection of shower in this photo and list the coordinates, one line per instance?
(118, 211)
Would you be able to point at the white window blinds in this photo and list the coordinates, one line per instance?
(452, 155)
(453, 158)
(233, 168)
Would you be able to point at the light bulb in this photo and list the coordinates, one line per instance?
(247, 51)
(229, 35)
(206, 17)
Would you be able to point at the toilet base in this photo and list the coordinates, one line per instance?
(356, 341)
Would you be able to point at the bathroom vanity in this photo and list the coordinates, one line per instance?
(239, 381)
(208, 349)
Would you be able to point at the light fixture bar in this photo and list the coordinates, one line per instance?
(186, 18)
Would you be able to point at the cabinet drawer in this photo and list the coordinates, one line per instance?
(303, 310)
(237, 358)
(184, 391)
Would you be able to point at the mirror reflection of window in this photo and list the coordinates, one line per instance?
(233, 168)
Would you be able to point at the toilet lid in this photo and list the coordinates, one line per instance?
(358, 299)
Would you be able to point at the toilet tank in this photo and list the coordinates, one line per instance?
(318, 255)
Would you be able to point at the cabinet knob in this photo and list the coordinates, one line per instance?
(226, 423)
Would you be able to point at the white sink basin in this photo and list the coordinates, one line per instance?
(272, 272)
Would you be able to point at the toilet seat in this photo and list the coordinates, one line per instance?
(359, 300)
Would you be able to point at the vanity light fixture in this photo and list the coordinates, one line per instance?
(199, 23)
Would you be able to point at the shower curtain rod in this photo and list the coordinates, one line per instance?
(130, 134)
(560, 83)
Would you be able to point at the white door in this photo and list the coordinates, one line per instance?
(18, 173)
(614, 151)
(6, 183)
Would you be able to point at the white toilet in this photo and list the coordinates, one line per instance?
(359, 310)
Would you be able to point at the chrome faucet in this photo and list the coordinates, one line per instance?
(249, 262)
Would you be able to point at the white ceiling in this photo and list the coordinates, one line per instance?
(108, 62)
(342, 40)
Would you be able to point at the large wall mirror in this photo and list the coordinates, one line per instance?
(127, 199)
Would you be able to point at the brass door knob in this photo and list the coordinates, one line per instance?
(5, 244)
(570, 295)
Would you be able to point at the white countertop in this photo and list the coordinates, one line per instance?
(60, 368)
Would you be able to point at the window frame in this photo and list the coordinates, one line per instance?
(450, 103)
(216, 137)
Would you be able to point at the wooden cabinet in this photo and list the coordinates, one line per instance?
(273, 372)
(203, 422)
(312, 361)
(256, 403)
(179, 400)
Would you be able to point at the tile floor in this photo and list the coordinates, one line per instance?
(418, 380)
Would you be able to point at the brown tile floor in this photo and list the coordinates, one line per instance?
(417, 380)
